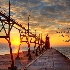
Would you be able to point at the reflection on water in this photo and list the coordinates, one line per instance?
(63, 50)
(5, 49)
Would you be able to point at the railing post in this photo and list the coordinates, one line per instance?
(29, 54)
(12, 65)
(34, 42)
(39, 45)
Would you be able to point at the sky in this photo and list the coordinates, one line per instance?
(50, 17)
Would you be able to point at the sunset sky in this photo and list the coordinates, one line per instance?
(50, 17)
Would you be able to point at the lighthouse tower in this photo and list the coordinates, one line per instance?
(47, 43)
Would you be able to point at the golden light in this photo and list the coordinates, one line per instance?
(15, 42)
(15, 50)
(57, 41)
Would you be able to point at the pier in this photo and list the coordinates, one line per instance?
(50, 60)
(42, 57)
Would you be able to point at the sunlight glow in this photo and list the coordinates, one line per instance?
(16, 49)
(15, 42)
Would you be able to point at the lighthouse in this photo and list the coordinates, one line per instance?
(47, 43)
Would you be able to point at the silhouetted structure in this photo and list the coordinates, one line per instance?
(23, 33)
(47, 43)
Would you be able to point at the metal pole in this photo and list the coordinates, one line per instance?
(39, 45)
(34, 42)
(28, 42)
(35, 45)
(41, 42)
(28, 37)
(12, 65)
(28, 25)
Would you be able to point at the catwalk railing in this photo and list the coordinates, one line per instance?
(7, 23)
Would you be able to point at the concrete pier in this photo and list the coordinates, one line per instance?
(50, 60)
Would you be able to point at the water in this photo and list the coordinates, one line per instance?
(63, 50)
(6, 50)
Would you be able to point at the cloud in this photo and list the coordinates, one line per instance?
(67, 3)
(43, 13)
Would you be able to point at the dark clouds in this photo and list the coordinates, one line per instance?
(45, 13)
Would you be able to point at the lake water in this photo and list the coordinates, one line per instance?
(63, 50)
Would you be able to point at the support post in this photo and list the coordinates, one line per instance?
(12, 65)
(28, 25)
(34, 42)
(29, 54)
(41, 42)
(39, 45)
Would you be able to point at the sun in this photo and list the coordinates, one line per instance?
(15, 42)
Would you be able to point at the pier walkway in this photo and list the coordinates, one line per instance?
(50, 60)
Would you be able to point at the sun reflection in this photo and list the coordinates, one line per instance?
(15, 50)
(15, 43)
